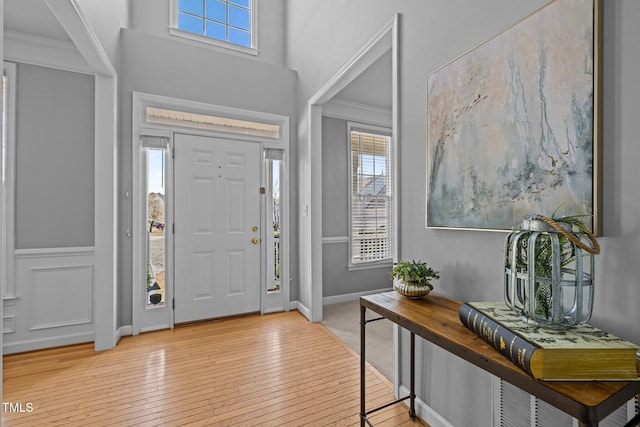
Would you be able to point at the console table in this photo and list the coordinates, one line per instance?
(435, 318)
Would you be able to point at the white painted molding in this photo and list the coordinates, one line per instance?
(335, 239)
(350, 297)
(54, 252)
(73, 282)
(123, 331)
(143, 100)
(8, 324)
(70, 17)
(158, 327)
(377, 46)
(49, 342)
(297, 305)
(43, 52)
(106, 211)
(425, 412)
(349, 110)
(274, 310)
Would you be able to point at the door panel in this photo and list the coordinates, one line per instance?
(217, 204)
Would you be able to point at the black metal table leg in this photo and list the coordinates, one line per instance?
(363, 411)
(412, 393)
(363, 322)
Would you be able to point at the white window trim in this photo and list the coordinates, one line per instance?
(365, 265)
(175, 31)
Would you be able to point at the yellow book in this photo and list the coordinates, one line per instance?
(580, 353)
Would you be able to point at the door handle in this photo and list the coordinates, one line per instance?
(255, 240)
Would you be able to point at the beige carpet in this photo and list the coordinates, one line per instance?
(343, 319)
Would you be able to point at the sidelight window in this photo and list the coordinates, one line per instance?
(155, 152)
(274, 178)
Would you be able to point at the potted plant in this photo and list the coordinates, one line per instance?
(549, 270)
(413, 278)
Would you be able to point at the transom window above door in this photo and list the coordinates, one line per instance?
(229, 23)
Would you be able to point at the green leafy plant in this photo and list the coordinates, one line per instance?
(417, 272)
(543, 260)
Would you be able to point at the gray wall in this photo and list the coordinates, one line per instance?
(321, 41)
(170, 67)
(336, 278)
(54, 203)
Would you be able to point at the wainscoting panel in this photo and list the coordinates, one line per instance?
(53, 304)
(59, 296)
(8, 324)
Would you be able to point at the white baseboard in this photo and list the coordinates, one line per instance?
(350, 297)
(274, 310)
(425, 412)
(297, 305)
(38, 344)
(123, 331)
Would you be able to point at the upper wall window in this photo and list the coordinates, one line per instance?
(229, 23)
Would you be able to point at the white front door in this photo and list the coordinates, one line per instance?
(216, 235)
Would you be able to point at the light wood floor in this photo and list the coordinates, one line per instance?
(273, 370)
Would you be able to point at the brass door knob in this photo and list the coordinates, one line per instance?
(255, 240)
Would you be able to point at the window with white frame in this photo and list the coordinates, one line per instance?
(231, 22)
(371, 194)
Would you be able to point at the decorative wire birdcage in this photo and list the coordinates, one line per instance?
(549, 271)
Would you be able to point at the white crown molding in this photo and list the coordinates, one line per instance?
(42, 51)
(349, 110)
(70, 17)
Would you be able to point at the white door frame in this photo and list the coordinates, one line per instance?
(163, 317)
(387, 38)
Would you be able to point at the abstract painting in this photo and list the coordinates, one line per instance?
(512, 125)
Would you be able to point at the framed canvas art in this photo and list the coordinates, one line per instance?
(513, 126)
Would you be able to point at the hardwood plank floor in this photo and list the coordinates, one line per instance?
(272, 370)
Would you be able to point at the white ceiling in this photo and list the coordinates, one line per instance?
(32, 17)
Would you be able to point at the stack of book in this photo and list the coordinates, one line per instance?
(581, 353)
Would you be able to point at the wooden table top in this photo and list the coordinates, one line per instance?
(435, 318)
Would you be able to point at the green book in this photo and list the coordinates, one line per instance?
(580, 353)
